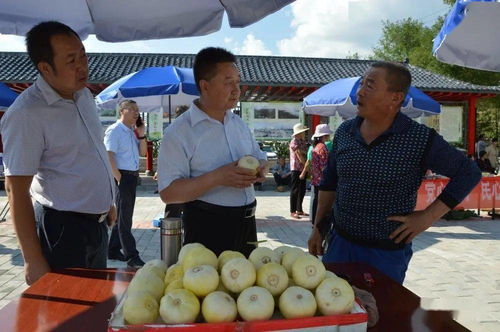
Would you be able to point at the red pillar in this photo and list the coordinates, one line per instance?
(471, 127)
(149, 159)
(316, 120)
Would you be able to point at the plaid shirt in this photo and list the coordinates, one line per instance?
(297, 145)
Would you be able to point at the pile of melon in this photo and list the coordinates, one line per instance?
(202, 287)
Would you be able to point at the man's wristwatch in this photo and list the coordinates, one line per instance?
(141, 137)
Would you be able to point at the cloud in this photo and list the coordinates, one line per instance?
(252, 46)
(336, 28)
(12, 43)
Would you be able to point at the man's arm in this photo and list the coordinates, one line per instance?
(143, 143)
(325, 204)
(116, 173)
(23, 218)
(464, 175)
(186, 190)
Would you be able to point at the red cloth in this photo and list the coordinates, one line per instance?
(300, 145)
(318, 163)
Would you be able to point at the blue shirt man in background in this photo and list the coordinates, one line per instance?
(373, 175)
(124, 148)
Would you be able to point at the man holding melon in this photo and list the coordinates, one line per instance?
(198, 161)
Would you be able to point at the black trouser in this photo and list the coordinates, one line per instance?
(70, 239)
(220, 228)
(173, 210)
(314, 203)
(121, 235)
(297, 192)
(281, 181)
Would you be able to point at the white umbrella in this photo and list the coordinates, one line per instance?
(470, 35)
(126, 20)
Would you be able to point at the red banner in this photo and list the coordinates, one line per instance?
(486, 195)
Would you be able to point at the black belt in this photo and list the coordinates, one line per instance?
(133, 173)
(385, 244)
(246, 211)
(98, 217)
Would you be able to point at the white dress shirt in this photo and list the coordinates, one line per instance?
(195, 144)
(121, 140)
(60, 142)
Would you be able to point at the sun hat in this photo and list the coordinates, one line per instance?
(299, 128)
(321, 130)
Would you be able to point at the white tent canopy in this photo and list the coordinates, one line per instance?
(126, 20)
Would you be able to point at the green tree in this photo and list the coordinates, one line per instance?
(411, 39)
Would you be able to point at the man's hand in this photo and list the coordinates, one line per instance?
(315, 243)
(111, 218)
(302, 176)
(35, 270)
(413, 224)
(231, 175)
(141, 130)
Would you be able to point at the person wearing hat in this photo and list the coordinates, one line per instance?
(298, 150)
(319, 161)
(307, 168)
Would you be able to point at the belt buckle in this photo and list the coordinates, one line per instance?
(102, 217)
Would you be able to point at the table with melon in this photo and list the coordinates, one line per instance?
(274, 287)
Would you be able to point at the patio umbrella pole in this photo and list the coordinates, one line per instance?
(169, 109)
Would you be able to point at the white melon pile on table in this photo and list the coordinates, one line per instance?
(284, 283)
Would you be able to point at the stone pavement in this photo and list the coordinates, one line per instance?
(456, 265)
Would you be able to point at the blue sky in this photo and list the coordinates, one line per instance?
(307, 28)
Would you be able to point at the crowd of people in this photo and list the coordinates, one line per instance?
(364, 181)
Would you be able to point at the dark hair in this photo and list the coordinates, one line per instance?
(316, 140)
(481, 136)
(205, 62)
(38, 41)
(494, 140)
(481, 154)
(398, 77)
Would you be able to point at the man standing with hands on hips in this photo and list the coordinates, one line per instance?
(373, 174)
(53, 150)
(198, 160)
(124, 149)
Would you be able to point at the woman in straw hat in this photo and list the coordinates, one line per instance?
(298, 150)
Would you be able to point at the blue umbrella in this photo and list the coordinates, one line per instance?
(152, 88)
(7, 96)
(469, 36)
(340, 97)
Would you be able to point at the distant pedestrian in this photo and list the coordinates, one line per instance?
(298, 151)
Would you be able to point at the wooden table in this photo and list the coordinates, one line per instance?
(82, 300)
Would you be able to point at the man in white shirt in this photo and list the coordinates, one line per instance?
(53, 150)
(198, 160)
(124, 149)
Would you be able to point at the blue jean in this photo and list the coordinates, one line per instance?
(392, 263)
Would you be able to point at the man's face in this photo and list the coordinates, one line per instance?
(374, 98)
(223, 90)
(130, 114)
(70, 71)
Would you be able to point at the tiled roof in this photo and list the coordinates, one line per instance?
(255, 70)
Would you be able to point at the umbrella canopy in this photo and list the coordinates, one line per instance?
(151, 88)
(7, 96)
(469, 36)
(126, 20)
(339, 97)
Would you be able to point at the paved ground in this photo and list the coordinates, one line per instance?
(456, 265)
